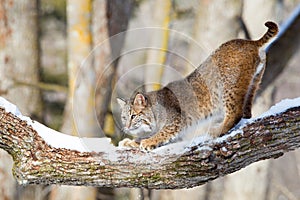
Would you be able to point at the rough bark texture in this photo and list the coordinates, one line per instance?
(35, 162)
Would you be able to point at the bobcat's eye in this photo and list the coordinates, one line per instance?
(133, 116)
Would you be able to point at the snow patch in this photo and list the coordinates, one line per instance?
(231, 134)
(274, 110)
(9, 107)
(184, 146)
(55, 138)
(173, 148)
(224, 149)
(59, 140)
(280, 107)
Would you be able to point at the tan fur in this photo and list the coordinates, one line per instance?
(221, 90)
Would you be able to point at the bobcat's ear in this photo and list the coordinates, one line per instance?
(139, 101)
(121, 102)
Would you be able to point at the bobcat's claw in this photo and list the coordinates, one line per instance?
(128, 143)
(148, 145)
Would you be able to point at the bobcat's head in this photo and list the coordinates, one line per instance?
(137, 116)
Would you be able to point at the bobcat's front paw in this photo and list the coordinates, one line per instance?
(148, 144)
(128, 143)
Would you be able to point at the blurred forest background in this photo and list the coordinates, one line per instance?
(63, 63)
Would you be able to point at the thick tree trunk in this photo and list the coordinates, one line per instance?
(81, 100)
(40, 160)
(79, 116)
(156, 56)
(211, 27)
(109, 24)
(102, 58)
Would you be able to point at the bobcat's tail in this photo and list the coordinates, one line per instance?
(272, 31)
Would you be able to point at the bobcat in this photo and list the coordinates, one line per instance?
(212, 99)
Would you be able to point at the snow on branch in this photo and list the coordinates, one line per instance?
(44, 156)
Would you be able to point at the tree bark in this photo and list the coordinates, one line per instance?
(36, 162)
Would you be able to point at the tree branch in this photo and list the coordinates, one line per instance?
(44, 156)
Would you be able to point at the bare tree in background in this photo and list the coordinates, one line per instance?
(79, 111)
(159, 40)
(109, 31)
(91, 73)
(19, 64)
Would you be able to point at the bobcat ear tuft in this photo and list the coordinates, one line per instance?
(121, 102)
(140, 100)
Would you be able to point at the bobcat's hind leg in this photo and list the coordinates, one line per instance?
(233, 114)
(249, 98)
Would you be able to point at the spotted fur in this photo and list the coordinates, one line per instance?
(219, 92)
